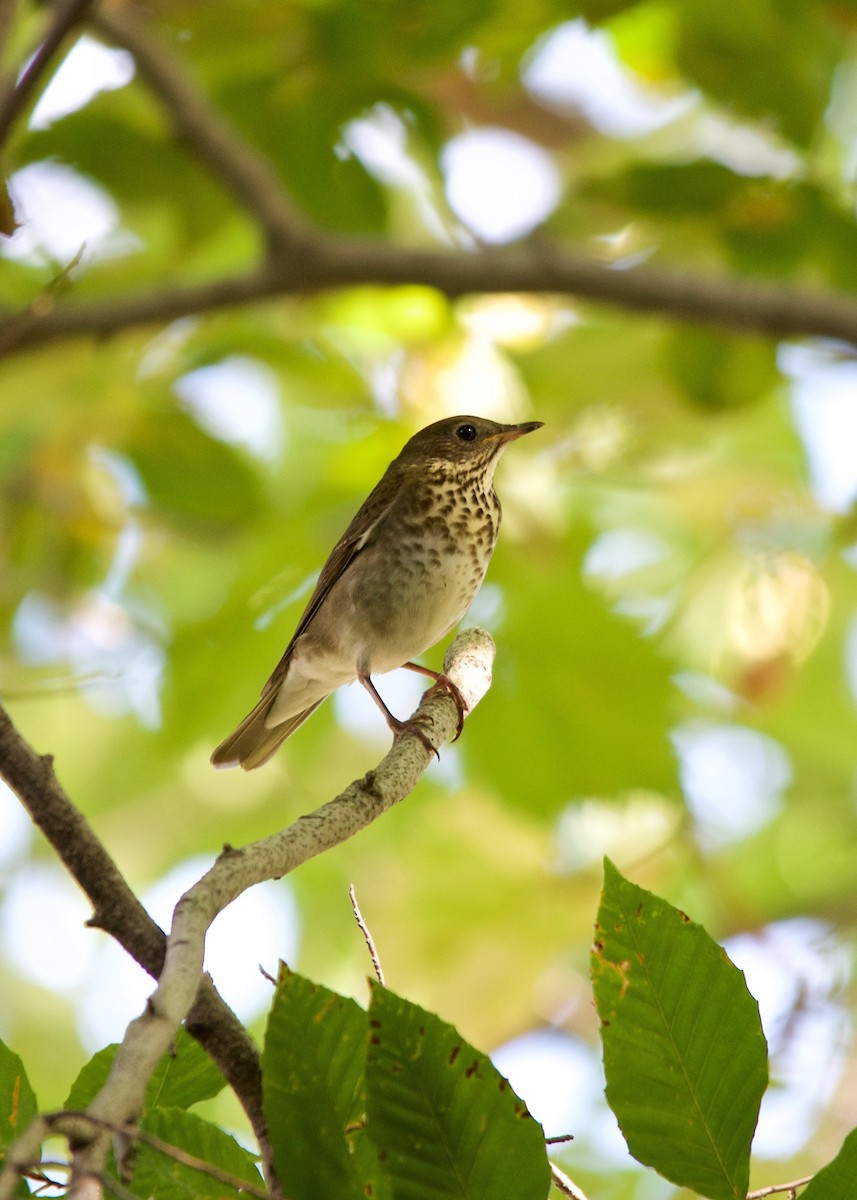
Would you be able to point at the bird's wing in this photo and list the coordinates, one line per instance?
(358, 534)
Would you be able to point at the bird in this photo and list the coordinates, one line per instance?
(398, 580)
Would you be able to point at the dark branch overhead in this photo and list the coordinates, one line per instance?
(302, 260)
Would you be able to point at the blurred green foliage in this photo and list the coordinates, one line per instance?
(666, 560)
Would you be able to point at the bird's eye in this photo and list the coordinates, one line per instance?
(466, 433)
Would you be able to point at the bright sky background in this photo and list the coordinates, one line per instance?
(500, 186)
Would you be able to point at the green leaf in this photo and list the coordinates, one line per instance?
(18, 1107)
(91, 1079)
(718, 371)
(836, 1180)
(684, 1053)
(313, 1092)
(182, 1078)
(597, 678)
(141, 154)
(304, 142)
(721, 47)
(17, 1101)
(699, 188)
(446, 1121)
(773, 228)
(190, 477)
(157, 1174)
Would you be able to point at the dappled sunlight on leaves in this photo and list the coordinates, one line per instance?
(674, 589)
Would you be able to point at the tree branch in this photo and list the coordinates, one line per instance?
(68, 1121)
(43, 321)
(245, 173)
(7, 19)
(118, 912)
(302, 260)
(564, 1185)
(775, 1188)
(329, 262)
(14, 97)
(468, 662)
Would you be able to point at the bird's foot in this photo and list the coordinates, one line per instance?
(400, 727)
(414, 725)
(442, 683)
(445, 684)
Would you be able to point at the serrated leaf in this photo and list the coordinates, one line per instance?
(182, 1078)
(836, 1180)
(684, 1052)
(312, 1072)
(445, 1120)
(158, 1174)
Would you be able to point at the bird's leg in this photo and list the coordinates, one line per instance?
(444, 682)
(398, 727)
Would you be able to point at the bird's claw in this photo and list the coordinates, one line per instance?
(445, 684)
(413, 726)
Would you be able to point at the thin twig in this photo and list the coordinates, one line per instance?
(564, 1185)
(791, 1187)
(42, 304)
(367, 936)
(66, 15)
(19, 331)
(135, 1134)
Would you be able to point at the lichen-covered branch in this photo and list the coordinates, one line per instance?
(468, 663)
(118, 912)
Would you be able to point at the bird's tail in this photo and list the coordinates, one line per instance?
(253, 742)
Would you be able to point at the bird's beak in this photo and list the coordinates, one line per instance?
(510, 433)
